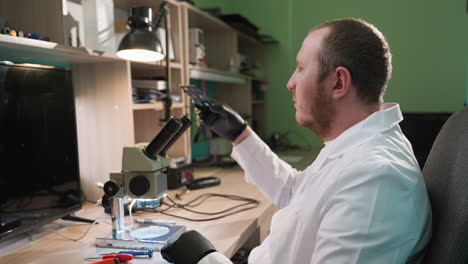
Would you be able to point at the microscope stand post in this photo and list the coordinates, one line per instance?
(118, 214)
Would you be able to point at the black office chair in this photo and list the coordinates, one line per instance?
(446, 176)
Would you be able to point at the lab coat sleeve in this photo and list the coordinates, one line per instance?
(215, 258)
(273, 176)
(368, 220)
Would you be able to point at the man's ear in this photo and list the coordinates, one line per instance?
(342, 83)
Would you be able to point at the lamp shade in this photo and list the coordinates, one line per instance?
(140, 45)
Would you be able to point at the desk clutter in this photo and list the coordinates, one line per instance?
(151, 90)
(237, 227)
(143, 182)
(143, 234)
(5, 29)
(121, 256)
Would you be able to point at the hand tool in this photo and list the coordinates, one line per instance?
(120, 257)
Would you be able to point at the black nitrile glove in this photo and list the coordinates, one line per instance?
(189, 248)
(222, 120)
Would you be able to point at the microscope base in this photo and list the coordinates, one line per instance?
(130, 240)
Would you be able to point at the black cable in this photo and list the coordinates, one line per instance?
(205, 196)
(183, 206)
(200, 199)
(208, 195)
(210, 219)
(212, 213)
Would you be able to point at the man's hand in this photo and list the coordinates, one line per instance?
(222, 120)
(191, 248)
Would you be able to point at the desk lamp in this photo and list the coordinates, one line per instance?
(141, 43)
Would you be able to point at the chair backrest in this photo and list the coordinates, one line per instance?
(446, 176)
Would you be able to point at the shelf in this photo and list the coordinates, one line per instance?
(199, 18)
(38, 51)
(214, 75)
(154, 4)
(156, 106)
(162, 64)
(145, 69)
(248, 39)
(32, 50)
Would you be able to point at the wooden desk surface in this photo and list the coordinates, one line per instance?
(45, 246)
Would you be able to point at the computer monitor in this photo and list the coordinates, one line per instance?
(421, 129)
(39, 175)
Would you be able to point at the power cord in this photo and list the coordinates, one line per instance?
(84, 234)
(247, 205)
(131, 215)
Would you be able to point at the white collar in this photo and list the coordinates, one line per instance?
(386, 118)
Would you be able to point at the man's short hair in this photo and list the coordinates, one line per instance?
(362, 49)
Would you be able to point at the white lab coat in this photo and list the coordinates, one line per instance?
(363, 199)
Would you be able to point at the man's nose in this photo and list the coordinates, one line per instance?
(291, 85)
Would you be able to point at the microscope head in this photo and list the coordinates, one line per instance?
(144, 166)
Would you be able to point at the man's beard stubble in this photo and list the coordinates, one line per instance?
(323, 112)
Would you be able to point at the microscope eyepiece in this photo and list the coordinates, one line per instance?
(111, 188)
(163, 138)
(185, 125)
(167, 136)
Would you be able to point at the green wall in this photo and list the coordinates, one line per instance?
(428, 39)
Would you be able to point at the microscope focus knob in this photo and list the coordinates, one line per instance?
(106, 201)
(139, 185)
(111, 188)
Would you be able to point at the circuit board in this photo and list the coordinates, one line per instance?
(197, 95)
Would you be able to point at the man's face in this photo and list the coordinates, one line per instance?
(312, 99)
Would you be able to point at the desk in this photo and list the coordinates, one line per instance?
(228, 234)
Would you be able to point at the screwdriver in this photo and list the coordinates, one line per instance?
(107, 261)
(148, 252)
(120, 257)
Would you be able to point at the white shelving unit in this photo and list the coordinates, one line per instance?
(107, 119)
(222, 44)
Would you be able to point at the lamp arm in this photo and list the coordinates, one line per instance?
(161, 13)
(167, 99)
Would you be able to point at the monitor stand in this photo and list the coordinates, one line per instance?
(78, 219)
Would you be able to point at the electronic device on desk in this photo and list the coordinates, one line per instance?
(40, 180)
(178, 175)
(203, 182)
(144, 179)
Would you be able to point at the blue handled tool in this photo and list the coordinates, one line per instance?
(197, 95)
(146, 252)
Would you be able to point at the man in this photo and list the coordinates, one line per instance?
(363, 200)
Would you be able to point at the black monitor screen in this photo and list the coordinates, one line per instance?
(421, 129)
(39, 176)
